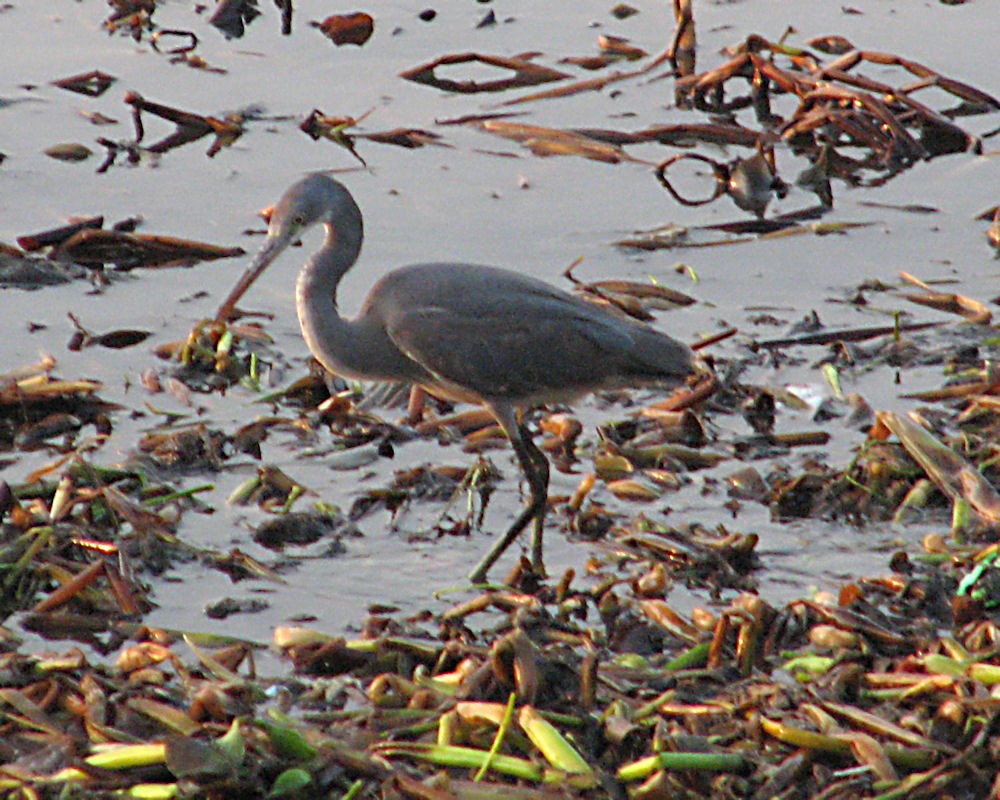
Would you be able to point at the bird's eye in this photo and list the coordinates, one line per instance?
(299, 220)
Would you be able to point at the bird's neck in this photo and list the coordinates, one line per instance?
(330, 337)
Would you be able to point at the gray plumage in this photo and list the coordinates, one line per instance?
(471, 332)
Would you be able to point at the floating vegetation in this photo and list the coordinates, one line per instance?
(92, 84)
(596, 682)
(355, 28)
(601, 690)
(656, 668)
(526, 73)
(35, 406)
(86, 243)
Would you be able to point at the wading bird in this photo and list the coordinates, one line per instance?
(467, 332)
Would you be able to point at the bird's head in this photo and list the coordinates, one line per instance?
(317, 198)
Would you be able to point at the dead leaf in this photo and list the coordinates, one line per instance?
(355, 28)
(93, 83)
(525, 73)
(552, 141)
(132, 250)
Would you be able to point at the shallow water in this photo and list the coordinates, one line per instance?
(479, 199)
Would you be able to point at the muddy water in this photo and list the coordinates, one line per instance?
(476, 198)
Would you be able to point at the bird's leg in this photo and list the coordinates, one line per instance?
(415, 404)
(540, 495)
(536, 469)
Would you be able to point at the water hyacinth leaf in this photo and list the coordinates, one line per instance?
(632, 297)
(553, 745)
(671, 454)
(170, 717)
(809, 740)
(587, 84)
(620, 47)
(943, 665)
(987, 674)
(874, 724)
(972, 310)
(270, 488)
(623, 11)
(232, 743)
(69, 151)
(290, 782)
(830, 637)
(525, 73)
(951, 303)
(906, 757)
(692, 658)
(355, 28)
(115, 340)
(21, 709)
(141, 519)
(663, 238)
(461, 757)
(97, 118)
(590, 62)
(869, 752)
(93, 83)
(212, 664)
(125, 756)
(833, 45)
(637, 491)
(651, 295)
(152, 791)
(119, 340)
(190, 128)
(661, 613)
(126, 251)
(53, 236)
(410, 138)
(847, 335)
(610, 467)
(806, 666)
(711, 762)
(544, 141)
(993, 233)
(478, 711)
(954, 476)
(447, 728)
(286, 636)
(288, 741)
(832, 375)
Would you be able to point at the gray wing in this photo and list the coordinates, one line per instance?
(506, 336)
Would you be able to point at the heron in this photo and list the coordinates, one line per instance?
(465, 332)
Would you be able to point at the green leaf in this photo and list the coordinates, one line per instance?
(290, 781)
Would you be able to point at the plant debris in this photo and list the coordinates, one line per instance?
(526, 73)
(656, 669)
(92, 84)
(355, 28)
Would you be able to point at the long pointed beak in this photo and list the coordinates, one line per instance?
(273, 247)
